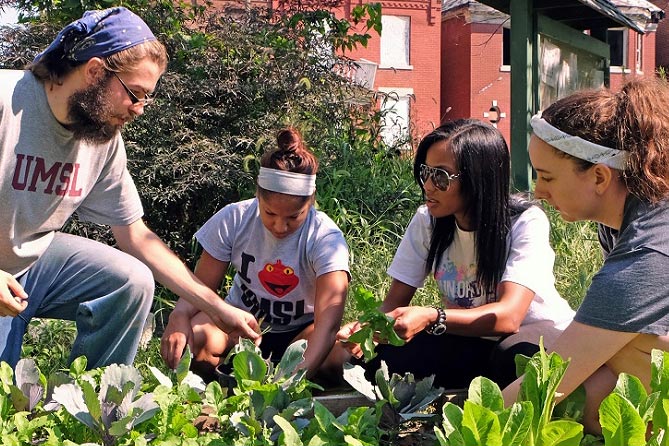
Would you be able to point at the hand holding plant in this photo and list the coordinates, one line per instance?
(375, 326)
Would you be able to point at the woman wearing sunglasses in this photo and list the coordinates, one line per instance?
(490, 256)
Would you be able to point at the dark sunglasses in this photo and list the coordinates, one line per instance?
(145, 101)
(440, 178)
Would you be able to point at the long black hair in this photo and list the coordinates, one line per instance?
(483, 164)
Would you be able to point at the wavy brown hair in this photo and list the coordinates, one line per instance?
(54, 66)
(635, 119)
(290, 155)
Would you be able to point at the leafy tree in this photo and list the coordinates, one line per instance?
(234, 78)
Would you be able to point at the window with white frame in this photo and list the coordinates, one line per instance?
(396, 108)
(506, 47)
(617, 39)
(395, 41)
(639, 52)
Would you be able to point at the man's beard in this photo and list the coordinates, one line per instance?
(89, 112)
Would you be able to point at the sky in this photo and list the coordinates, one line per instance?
(8, 16)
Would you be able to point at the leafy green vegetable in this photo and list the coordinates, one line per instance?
(485, 421)
(405, 398)
(376, 326)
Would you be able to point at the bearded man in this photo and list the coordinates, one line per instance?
(61, 153)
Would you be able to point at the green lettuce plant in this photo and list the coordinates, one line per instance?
(631, 416)
(376, 326)
(485, 421)
(262, 391)
(357, 426)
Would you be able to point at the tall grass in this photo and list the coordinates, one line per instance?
(578, 256)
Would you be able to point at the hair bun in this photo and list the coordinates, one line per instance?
(289, 139)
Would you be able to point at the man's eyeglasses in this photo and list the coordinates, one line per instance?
(439, 177)
(145, 101)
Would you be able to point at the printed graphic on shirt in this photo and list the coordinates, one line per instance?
(459, 285)
(274, 311)
(278, 279)
(33, 174)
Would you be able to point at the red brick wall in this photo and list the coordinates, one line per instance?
(424, 57)
(472, 78)
(648, 60)
(489, 83)
(456, 68)
(662, 36)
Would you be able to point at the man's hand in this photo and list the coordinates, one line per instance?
(13, 298)
(177, 335)
(235, 322)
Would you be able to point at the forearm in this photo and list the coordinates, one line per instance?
(319, 346)
(486, 320)
(185, 309)
(167, 268)
(399, 295)
(499, 318)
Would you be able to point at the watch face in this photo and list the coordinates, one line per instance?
(439, 329)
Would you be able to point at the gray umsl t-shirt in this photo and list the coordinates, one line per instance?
(47, 175)
(630, 292)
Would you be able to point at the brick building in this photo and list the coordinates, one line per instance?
(404, 64)
(476, 51)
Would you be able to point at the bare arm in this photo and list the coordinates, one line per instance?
(178, 332)
(331, 289)
(588, 348)
(138, 240)
(502, 317)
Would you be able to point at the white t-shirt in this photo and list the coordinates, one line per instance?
(275, 278)
(47, 175)
(529, 263)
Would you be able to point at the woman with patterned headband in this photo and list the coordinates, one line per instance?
(604, 156)
(291, 264)
(491, 259)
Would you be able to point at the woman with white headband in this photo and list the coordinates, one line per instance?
(489, 255)
(604, 156)
(290, 262)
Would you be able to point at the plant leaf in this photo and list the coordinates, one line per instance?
(486, 393)
(124, 378)
(292, 357)
(355, 376)
(290, 435)
(621, 423)
(561, 433)
(630, 388)
(452, 424)
(516, 422)
(71, 397)
(249, 366)
(184, 365)
(480, 426)
(162, 379)
(27, 377)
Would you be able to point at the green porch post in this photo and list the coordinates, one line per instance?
(523, 81)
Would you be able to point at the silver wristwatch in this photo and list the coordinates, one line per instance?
(439, 326)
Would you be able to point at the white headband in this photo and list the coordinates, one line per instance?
(578, 147)
(290, 183)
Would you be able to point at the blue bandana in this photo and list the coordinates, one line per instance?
(99, 34)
